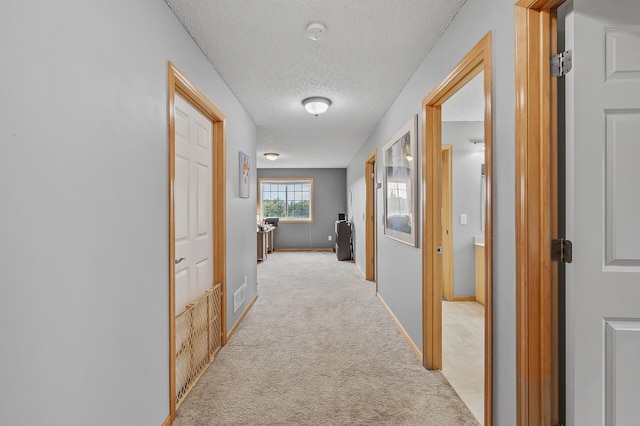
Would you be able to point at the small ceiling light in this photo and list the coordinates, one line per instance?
(478, 142)
(316, 30)
(272, 156)
(316, 105)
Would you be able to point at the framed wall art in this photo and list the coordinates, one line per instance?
(400, 184)
(244, 175)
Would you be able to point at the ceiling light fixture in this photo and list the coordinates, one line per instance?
(316, 30)
(316, 105)
(272, 156)
(478, 142)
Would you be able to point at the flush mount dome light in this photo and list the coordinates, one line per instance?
(272, 156)
(316, 30)
(316, 105)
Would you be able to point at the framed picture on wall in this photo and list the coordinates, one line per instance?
(400, 184)
(244, 175)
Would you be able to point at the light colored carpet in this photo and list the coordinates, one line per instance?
(317, 348)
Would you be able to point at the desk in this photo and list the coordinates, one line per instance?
(266, 242)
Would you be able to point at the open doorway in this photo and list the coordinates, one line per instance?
(463, 204)
(477, 62)
(370, 218)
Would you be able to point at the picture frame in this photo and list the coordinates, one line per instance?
(400, 184)
(244, 174)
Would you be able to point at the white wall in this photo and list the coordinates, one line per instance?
(404, 295)
(83, 207)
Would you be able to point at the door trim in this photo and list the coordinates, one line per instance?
(369, 223)
(447, 223)
(478, 59)
(536, 213)
(178, 83)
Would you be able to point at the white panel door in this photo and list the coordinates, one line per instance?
(603, 213)
(193, 204)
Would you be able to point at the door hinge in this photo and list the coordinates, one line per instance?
(562, 251)
(561, 63)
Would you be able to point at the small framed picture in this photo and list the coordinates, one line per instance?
(244, 175)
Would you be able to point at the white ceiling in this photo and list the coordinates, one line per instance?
(260, 49)
(467, 104)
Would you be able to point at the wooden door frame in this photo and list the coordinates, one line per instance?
(178, 83)
(370, 220)
(447, 212)
(478, 59)
(536, 213)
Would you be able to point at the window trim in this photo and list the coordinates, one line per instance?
(287, 181)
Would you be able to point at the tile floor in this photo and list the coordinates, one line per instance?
(463, 352)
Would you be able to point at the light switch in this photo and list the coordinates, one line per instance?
(463, 219)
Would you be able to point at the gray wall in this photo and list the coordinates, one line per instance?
(84, 232)
(467, 199)
(329, 199)
(403, 295)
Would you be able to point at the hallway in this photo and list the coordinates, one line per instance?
(317, 347)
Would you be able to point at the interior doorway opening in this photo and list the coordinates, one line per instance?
(370, 218)
(478, 60)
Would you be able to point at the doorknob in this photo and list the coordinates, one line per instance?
(179, 260)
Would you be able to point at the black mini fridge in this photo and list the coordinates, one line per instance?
(343, 240)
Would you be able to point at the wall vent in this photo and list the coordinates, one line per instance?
(238, 296)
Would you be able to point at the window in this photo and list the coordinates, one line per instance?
(288, 199)
(397, 200)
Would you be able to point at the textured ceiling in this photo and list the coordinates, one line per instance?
(467, 104)
(260, 49)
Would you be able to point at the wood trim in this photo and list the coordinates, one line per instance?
(167, 421)
(178, 83)
(172, 248)
(536, 214)
(432, 238)
(488, 231)
(319, 249)
(369, 223)
(412, 345)
(480, 58)
(244, 314)
(463, 299)
(447, 213)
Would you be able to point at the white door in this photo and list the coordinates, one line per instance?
(193, 203)
(603, 213)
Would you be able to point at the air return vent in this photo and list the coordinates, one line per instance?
(238, 296)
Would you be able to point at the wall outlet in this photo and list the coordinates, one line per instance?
(329, 237)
